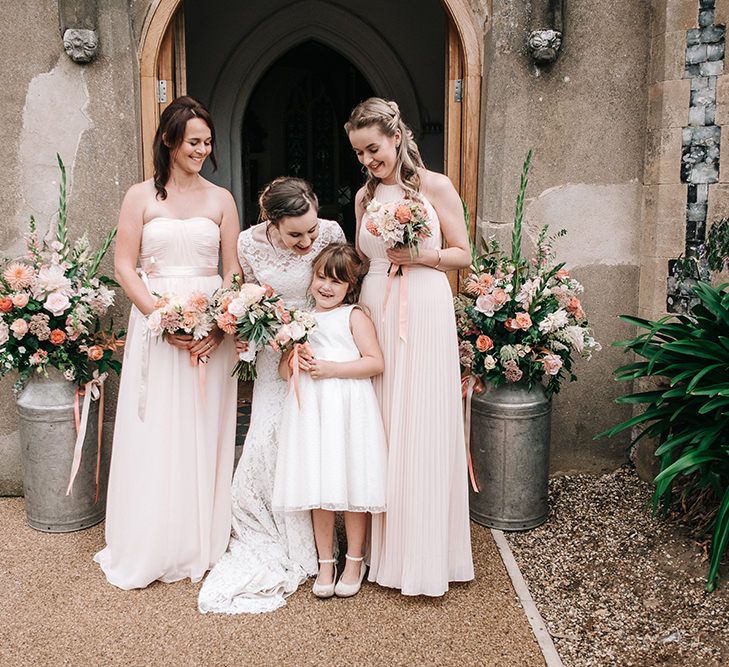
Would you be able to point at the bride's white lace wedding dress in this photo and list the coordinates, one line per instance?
(270, 553)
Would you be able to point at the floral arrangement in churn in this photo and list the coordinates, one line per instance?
(52, 306)
(52, 303)
(520, 320)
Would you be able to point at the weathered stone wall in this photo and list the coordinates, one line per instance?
(585, 118)
(88, 114)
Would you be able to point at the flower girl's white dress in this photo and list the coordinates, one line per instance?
(332, 452)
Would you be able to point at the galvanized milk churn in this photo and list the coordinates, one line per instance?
(510, 450)
(47, 439)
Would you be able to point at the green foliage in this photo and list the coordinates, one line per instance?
(717, 245)
(690, 418)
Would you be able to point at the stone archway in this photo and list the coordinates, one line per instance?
(469, 46)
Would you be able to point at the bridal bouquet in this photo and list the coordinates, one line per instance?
(521, 320)
(52, 303)
(254, 313)
(400, 224)
(190, 316)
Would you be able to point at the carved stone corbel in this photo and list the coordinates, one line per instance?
(545, 39)
(78, 20)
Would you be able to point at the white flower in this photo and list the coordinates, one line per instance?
(51, 279)
(237, 307)
(57, 303)
(374, 206)
(154, 322)
(298, 330)
(306, 319)
(554, 321)
(251, 293)
(528, 291)
(21, 350)
(69, 374)
(250, 354)
(4, 333)
(489, 363)
(485, 304)
(574, 336)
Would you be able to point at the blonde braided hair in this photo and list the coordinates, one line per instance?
(386, 116)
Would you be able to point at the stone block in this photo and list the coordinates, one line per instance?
(718, 202)
(670, 15)
(652, 292)
(702, 96)
(722, 99)
(724, 160)
(706, 18)
(668, 103)
(711, 68)
(697, 54)
(668, 56)
(712, 34)
(721, 12)
(715, 51)
(697, 115)
(662, 157)
(664, 220)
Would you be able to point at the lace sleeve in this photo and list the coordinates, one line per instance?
(244, 241)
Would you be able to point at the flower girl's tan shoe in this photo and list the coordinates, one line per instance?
(343, 590)
(325, 590)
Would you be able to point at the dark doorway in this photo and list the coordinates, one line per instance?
(293, 127)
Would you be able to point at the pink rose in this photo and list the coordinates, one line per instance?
(20, 300)
(523, 321)
(484, 343)
(57, 303)
(19, 328)
(500, 296)
(552, 363)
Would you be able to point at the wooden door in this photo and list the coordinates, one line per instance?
(163, 79)
(462, 108)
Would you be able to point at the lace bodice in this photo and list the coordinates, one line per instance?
(288, 273)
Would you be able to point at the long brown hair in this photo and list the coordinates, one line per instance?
(171, 132)
(340, 261)
(285, 197)
(386, 116)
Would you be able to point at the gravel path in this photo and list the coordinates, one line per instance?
(616, 586)
(57, 609)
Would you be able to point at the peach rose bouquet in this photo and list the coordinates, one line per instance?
(519, 320)
(53, 306)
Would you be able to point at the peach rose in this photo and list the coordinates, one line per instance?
(57, 337)
(95, 352)
(500, 296)
(20, 300)
(6, 304)
(19, 328)
(484, 343)
(573, 305)
(552, 363)
(523, 321)
(403, 214)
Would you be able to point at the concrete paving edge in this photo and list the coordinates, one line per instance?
(539, 628)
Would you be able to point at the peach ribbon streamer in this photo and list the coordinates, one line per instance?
(294, 362)
(469, 385)
(93, 390)
(403, 298)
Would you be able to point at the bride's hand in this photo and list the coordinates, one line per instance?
(403, 257)
(207, 345)
(241, 346)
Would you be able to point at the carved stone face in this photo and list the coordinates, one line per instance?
(81, 45)
(544, 45)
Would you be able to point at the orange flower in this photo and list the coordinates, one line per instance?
(403, 214)
(95, 352)
(574, 305)
(269, 290)
(523, 321)
(484, 343)
(198, 302)
(6, 304)
(510, 325)
(161, 302)
(57, 336)
(371, 226)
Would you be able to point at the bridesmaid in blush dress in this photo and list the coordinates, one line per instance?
(168, 505)
(423, 540)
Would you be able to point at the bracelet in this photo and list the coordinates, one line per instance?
(437, 264)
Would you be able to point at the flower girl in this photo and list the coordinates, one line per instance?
(332, 451)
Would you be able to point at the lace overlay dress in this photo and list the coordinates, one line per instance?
(270, 553)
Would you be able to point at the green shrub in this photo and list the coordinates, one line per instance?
(690, 418)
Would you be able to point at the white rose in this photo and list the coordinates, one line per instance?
(57, 303)
(154, 322)
(251, 293)
(237, 307)
(489, 363)
(374, 206)
(298, 331)
(250, 354)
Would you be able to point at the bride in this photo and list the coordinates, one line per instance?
(270, 554)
